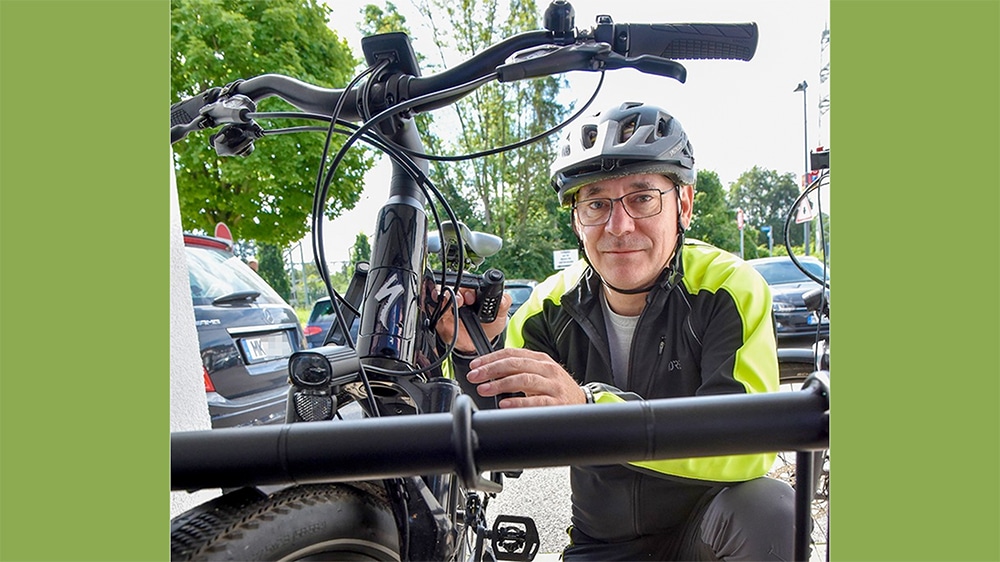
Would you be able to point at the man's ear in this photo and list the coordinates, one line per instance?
(687, 204)
(576, 232)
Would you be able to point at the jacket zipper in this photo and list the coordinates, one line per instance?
(656, 366)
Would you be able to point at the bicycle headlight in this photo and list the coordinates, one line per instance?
(323, 366)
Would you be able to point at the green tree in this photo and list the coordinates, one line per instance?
(377, 20)
(267, 196)
(714, 221)
(272, 269)
(361, 251)
(507, 194)
(765, 197)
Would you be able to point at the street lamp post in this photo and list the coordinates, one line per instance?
(805, 139)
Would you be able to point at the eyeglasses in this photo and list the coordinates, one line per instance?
(638, 205)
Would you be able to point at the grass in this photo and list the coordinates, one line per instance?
(303, 314)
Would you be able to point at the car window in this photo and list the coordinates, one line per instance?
(322, 312)
(214, 273)
(519, 294)
(776, 273)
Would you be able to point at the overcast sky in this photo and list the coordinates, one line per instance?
(737, 114)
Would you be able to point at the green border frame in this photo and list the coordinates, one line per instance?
(914, 125)
(84, 387)
(84, 323)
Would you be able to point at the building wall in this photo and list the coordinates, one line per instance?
(188, 408)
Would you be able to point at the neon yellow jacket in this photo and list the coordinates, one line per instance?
(708, 332)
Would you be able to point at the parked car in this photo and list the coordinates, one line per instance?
(788, 283)
(246, 332)
(321, 319)
(520, 290)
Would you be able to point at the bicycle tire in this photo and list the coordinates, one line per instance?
(308, 522)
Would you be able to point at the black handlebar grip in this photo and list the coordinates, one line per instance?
(489, 294)
(733, 41)
(185, 115)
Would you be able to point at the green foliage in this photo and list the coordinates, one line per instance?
(376, 20)
(713, 220)
(314, 289)
(266, 197)
(362, 250)
(507, 194)
(765, 197)
(272, 269)
(799, 250)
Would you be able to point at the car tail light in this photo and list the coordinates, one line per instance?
(312, 330)
(209, 387)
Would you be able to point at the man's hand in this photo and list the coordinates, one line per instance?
(543, 381)
(466, 297)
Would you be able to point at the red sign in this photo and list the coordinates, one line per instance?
(222, 231)
(739, 219)
(805, 212)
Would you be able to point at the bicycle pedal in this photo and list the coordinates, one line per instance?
(515, 538)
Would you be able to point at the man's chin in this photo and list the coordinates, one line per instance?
(627, 280)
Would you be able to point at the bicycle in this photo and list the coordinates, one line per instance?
(406, 481)
(795, 366)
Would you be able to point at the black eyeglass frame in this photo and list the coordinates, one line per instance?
(620, 200)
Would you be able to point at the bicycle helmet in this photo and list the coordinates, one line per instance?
(630, 138)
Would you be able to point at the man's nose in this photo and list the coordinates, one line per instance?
(619, 222)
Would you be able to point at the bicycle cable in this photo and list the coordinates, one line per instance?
(415, 173)
(321, 190)
(824, 282)
(373, 140)
(423, 182)
(788, 221)
(515, 145)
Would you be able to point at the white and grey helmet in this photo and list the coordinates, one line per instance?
(630, 138)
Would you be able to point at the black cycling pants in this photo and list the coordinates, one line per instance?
(752, 520)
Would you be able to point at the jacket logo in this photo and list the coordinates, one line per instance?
(674, 365)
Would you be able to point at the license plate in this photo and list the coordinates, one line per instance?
(814, 319)
(266, 347)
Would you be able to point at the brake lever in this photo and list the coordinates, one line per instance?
(215, 108)
(186, 116)
(596, 56)
(236, 140)
(548, 59)
(648, 64)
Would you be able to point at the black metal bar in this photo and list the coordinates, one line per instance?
(805, 489)
(394, 446)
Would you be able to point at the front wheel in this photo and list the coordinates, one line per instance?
(310, 522)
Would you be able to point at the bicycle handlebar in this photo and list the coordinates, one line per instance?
(649, 48)
(732, 41)
(394, 446)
